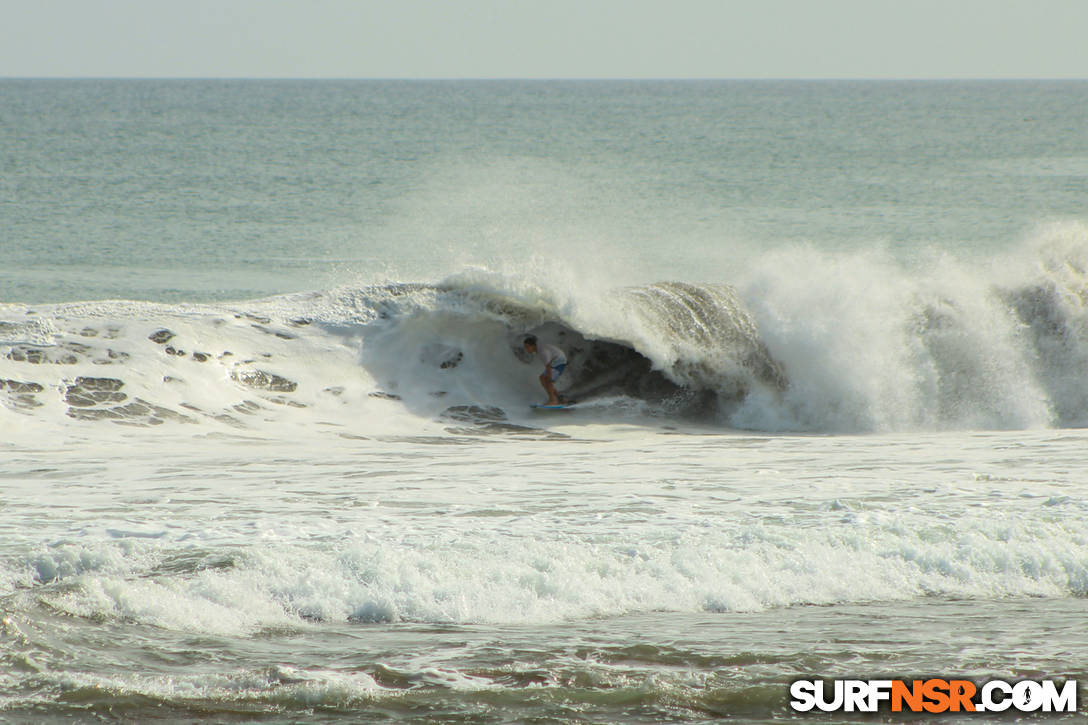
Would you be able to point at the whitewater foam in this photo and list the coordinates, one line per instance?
(556, 572)
(872, 345)
(807, 341)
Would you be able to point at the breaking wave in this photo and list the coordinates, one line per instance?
(803, 341)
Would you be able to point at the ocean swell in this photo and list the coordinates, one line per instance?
(806, 341)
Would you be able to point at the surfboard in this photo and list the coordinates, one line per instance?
(537, 406)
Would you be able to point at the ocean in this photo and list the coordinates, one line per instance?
(267, 449)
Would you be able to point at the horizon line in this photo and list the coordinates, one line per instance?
(572, 79)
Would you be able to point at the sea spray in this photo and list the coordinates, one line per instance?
(871, 344)
(806, 340)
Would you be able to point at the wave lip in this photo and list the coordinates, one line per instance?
(683, 348)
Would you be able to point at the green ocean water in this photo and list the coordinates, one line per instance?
(204, 190)
(266, 451)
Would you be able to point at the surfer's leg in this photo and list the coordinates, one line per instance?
(553, 394)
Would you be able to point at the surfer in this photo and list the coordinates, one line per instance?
(554, 364)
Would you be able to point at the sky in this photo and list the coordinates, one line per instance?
(544, 38)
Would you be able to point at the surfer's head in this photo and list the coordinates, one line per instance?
(530, 343)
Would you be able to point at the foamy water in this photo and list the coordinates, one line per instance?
(219, 475)
(829, 420)
(321, 566)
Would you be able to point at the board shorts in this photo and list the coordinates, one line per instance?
(556, 371)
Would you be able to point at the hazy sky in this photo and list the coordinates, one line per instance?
(546, 38)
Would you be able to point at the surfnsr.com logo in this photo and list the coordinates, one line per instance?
(934, 695)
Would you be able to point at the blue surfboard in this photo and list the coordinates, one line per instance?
(536, 406)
